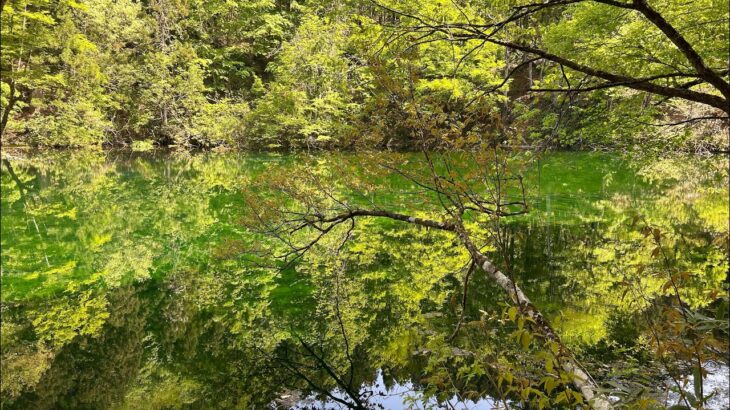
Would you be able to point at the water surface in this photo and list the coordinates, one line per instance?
(127, 282)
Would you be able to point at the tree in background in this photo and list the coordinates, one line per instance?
(324, 74)
(176, 72)
(610, 49)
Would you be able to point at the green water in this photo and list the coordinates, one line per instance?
(128, 280)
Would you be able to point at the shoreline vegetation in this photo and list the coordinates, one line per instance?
(267, 74)
(452, 111)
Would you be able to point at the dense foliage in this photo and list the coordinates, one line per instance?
(276, 73)
(483, 268)
(129, 282)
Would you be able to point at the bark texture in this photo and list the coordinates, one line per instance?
(581, 379)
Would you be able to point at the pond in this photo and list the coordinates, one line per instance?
(128, 283)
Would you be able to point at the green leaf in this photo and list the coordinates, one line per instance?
(525, 340)
(697, 373)
(512, 313)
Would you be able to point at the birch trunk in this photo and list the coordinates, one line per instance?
(581, 380)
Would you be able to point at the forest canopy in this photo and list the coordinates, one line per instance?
(325, 74)
(521, 203)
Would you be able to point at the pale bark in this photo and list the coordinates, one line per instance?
(581, 380)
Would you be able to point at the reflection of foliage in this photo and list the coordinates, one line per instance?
(142, 265)
(24, 362)
(62, 322)
(158, 388)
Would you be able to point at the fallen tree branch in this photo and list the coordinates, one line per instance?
(580, 378)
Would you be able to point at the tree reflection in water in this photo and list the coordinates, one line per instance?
(130, 282)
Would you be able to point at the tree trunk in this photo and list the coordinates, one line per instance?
(581, 379)
(6, 111)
